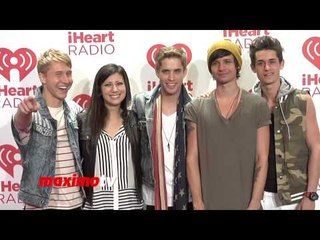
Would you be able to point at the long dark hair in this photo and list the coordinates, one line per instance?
(97, 112)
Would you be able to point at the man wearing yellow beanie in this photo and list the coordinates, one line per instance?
(226, 45)
(228, 138)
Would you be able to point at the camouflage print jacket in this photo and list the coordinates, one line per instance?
(291, 151)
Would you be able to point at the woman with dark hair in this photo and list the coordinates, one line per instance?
(109, 143)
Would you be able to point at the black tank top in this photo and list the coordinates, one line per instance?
(271, 182)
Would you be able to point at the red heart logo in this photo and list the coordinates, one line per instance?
(153, 51)
(24, 60)
(7, 160)
(83, 100)
(311, 51)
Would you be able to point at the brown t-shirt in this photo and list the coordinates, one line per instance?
(227, 149)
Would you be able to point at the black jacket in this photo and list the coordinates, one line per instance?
(88, 149)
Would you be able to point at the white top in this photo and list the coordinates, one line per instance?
(168, 137)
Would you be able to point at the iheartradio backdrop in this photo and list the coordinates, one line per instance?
(135, 51)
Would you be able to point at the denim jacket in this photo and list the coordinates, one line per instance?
(39, 154)
(143, 105)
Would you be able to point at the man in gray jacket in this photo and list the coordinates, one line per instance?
(163, 136)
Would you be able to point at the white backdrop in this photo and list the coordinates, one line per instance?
(134, 50)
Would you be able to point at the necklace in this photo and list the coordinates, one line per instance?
(233, 104)
(169, 139)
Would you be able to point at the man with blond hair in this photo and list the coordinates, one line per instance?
(46, 132)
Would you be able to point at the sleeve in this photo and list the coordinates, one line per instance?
(190, 112)
(21, 137)
(263, 113)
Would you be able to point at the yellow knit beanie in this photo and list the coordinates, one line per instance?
(226, 45)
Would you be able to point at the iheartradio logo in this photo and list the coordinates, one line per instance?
(7, 160)
(311, 51)
(153, 51)
(83, 100)
(23, 59)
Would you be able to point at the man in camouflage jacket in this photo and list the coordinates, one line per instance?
(294, 163)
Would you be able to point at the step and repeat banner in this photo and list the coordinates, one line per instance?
(134, 50)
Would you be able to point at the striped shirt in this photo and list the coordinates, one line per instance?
(114, 166)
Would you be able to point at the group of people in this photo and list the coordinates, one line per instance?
(163, 149)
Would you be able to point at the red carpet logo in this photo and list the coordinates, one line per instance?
(153, 51)
(24, 60)
(311, 51)
(7, 160)
(83, 100)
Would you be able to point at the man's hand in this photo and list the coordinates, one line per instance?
(23, 117)
(207, 94)
(29, 105)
